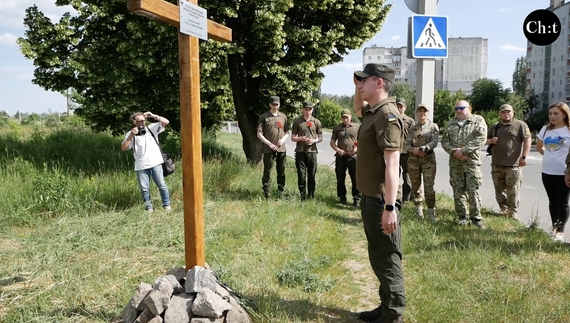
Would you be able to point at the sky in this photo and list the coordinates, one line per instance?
(500, 21)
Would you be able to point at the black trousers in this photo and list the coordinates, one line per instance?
(342, 164)
(558, 194)
(268, 159)
(306, 164)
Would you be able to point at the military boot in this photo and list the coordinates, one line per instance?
(431, 215)
(419, 212)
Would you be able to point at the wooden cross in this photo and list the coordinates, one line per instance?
(191, 126)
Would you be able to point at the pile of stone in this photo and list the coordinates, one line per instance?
(201, 300)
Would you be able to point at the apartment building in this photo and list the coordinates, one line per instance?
(548, 67)
(467, 62)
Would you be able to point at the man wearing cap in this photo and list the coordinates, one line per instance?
(377, 177)
(343, 141)
(511, 141)
(462, 139)
(422, 140)
(406, 187)
(273, 130)
(307, 132)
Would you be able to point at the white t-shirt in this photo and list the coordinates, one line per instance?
(146, 151)
(556, 144)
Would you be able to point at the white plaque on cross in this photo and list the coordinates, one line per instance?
(193, 20)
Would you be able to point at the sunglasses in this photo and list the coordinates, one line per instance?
(460, 108)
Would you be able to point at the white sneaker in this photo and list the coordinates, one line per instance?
(168, 208)
(463, 222)
(150, 210)
(558, 236)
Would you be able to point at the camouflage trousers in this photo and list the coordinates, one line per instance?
(507, 181)
(465, 181)
(423, 168)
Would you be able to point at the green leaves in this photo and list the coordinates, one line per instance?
(119, 62)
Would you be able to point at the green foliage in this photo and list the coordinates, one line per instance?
(328, 112)
(15, 130)
(487, 94)
(51, 190)
(491, 117)
(404, 90)
(302, 274)
(444, 101)
(519, 77)
(119, 63)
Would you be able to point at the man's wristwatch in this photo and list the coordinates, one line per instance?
(388, 207)
(523, 157)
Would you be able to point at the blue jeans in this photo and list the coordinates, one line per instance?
(143, 177)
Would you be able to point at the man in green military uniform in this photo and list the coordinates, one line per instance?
(462, 139)
(510, 140)
(422, 140)
(307, 132)
(343, 142)
(406, 186)
(377, 176)
(272, 131)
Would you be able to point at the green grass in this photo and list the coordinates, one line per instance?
(75, 242)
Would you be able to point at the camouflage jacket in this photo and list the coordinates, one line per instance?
(469, 137)
(426, 134)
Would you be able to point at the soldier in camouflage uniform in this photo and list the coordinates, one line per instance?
(422, 140)
(509, 139)
(462, 139)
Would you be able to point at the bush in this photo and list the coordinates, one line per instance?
(328, 113)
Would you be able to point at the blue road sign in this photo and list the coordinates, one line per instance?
(429, 36)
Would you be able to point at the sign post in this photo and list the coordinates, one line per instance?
(426, 43)
(190, 18)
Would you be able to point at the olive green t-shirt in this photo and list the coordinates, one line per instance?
(381, 129)
(273, 127)
(507, 150)
(408, 123)
(345, 136)
(310, 128)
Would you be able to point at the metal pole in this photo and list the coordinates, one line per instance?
(426, 66)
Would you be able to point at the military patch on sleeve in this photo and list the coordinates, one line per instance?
(391, 118)
(527, 131)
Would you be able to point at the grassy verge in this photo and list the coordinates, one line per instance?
(78, 257)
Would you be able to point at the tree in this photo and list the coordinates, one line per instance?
(328, 112)
(519, 76)
(404, 90)
(120, 63)
(487, 94)
(444, 101)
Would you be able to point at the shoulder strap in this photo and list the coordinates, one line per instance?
(496, 129)
(153, 137)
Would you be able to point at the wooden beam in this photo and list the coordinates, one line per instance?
(170, 14)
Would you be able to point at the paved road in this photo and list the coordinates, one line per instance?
(534, 202)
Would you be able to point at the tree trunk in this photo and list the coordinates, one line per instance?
(247, 121)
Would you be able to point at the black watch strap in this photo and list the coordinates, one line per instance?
(388, 207)
(523, 157)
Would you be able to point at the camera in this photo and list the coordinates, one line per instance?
(142, 131)
(424, 149)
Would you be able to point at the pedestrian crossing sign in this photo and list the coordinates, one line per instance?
(429, 36)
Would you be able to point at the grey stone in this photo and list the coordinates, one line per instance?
(180, 309)
(158, 298)
(207, 320)
(156, 319)
(178, 272)
(199, 278)
(209, 304)
(130, 312)
(145, 316)
(220, 290)
(237, 314)
(142, 291)
(174, 282)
